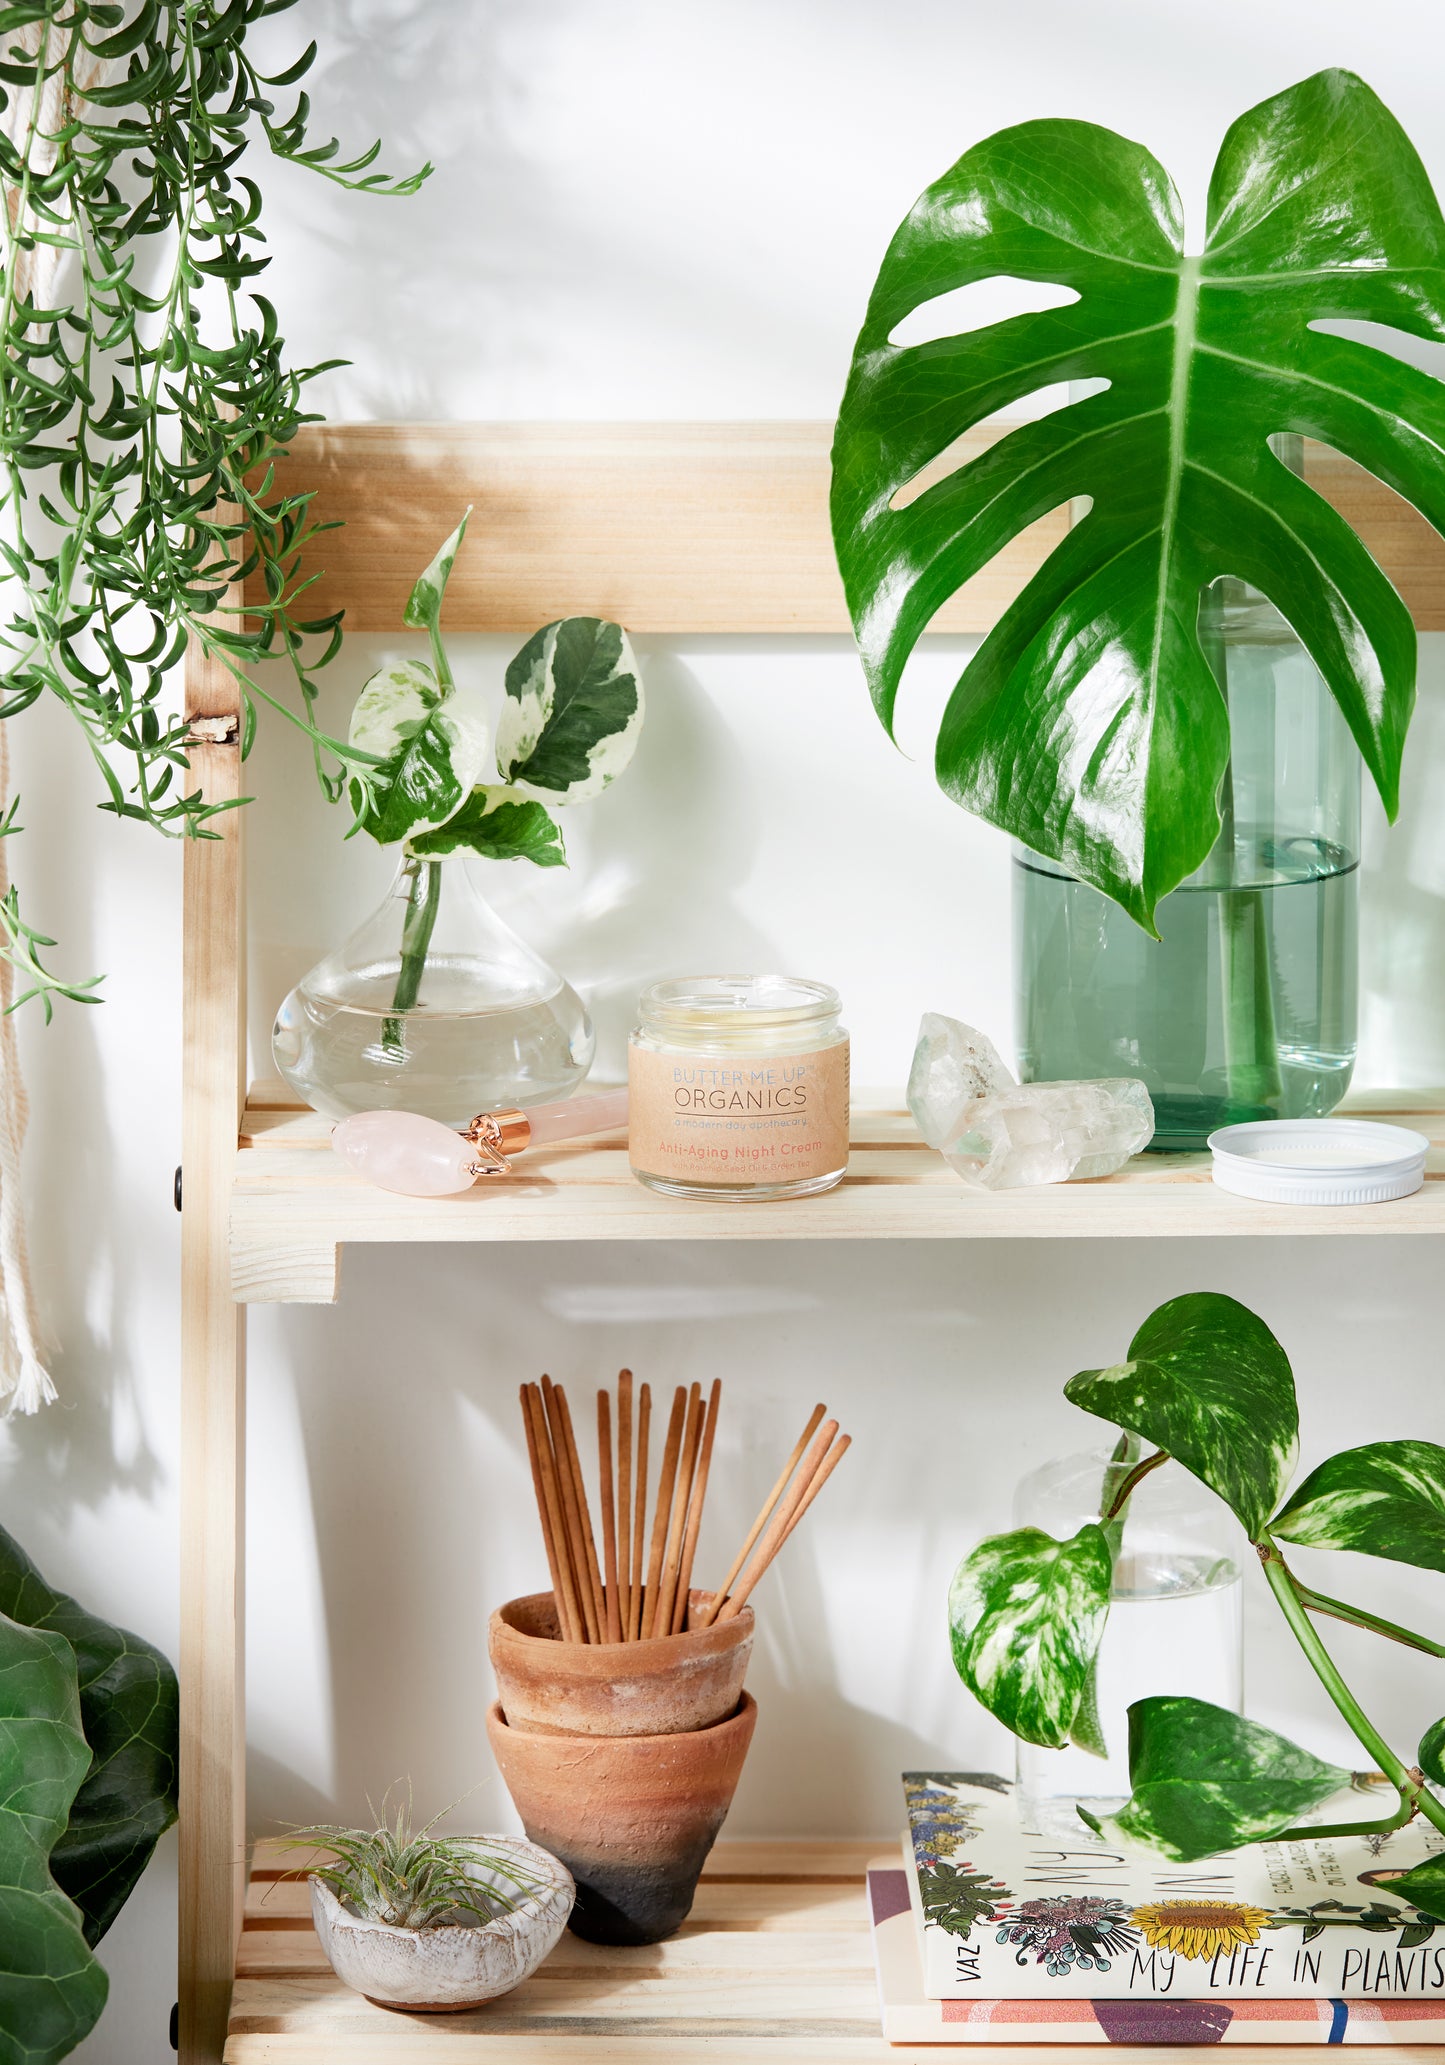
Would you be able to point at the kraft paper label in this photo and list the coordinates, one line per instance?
(738, 1119)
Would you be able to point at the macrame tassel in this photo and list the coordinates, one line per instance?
(24, 1380)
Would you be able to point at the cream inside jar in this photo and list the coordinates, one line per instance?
(738, 1087)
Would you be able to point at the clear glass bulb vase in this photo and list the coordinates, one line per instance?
(1245, 1007)
(432, 1005)
(1175, 1620)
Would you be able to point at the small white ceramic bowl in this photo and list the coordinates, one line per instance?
(1319, 1161)
(440, 1971)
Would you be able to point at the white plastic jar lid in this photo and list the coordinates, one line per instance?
(1319, 1161)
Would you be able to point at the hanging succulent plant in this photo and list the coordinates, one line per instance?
(145, 390)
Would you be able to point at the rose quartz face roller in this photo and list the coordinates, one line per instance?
(402, 1151)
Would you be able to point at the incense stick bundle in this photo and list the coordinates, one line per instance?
(606, 1598)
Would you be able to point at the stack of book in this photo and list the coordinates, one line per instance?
(989, 1933)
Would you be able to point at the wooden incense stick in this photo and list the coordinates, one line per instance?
(550, 1507)
(662, 1513)
(694, 1509)
(644, 1417)
(549, 1542)
(567, 1484)
(624, 1501)
(778, 1526)
(710, 1611)
(824, 1471)
(610, 1593)
(677, 1519)
(589, 1541)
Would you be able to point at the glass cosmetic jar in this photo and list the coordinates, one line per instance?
(738, 1087)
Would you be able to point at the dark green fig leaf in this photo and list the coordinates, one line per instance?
(1431, 1754)
(130, 1715)
(1386, 1499)
(1089, 723)
(1206, 1780)
(573, 711)
(1424, 1887)
(1208, 1382)
(499, 824)
(51, 1988)
(1026, 1614)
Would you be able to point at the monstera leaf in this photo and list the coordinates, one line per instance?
(51, 1988)
(1026, 1614)
(1205, 1780)
(130, 1714)
(1386, 1499)
(1089, 723)
(573, 711)
(1207, 1382)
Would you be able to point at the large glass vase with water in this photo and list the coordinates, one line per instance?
(1175, 1620)
(1245, 1008)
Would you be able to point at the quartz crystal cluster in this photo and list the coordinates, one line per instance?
(1001, 1133)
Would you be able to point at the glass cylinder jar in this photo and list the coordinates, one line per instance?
(1245, 1007)
(432, 1005)
(1175, 1618)
(738, 1087)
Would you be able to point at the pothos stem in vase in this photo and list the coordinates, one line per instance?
(1246, 976)
(423, 899)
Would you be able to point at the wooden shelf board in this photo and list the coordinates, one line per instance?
(676, 527)
(773, 1967)
(294, 1206)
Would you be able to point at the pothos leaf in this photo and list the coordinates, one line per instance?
(1431, 1754)
(1385, 1499)
(499, 824)
(1089, 724)
(1424, 1887)
(432, 752)
(1207, 1382)
(573, 711)
(130, 1714)
(424, 604)
(1206, 1780)
(51, 1988)
(1026, 1615)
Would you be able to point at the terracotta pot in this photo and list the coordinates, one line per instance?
(631, 1816)
(666, 1687)
(438, 1971)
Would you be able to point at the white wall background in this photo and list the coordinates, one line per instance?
(642, 210)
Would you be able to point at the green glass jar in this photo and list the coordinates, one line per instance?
(1246, 1007)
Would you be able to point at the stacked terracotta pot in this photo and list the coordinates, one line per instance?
(622, 1757)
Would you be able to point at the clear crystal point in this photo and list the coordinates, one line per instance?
(1001, 1133)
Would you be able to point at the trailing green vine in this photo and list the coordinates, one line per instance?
(145, 392)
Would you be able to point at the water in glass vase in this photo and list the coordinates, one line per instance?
(434, 1006)
(1243, 1009)
(1174, 1626)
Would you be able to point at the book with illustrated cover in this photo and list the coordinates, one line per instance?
(1003, 1914)
(1070, 2017)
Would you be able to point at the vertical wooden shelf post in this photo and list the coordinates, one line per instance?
(213, 1425)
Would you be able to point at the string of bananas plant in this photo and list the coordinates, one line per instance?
(145, 395)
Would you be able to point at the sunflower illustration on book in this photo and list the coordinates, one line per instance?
(1199, 1928)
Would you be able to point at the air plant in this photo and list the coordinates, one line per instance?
(412, 1879)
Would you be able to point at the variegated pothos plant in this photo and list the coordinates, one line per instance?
(569, 725)
(1207, 1384)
